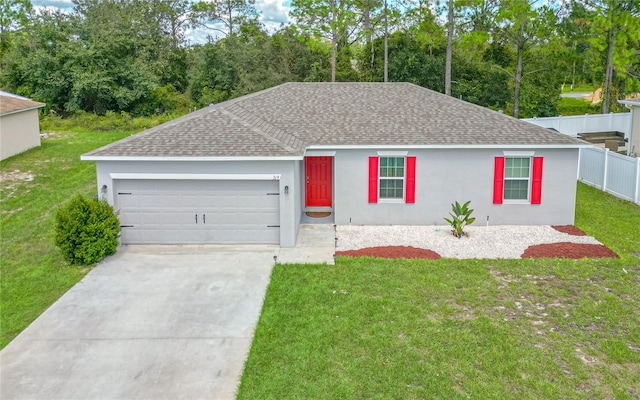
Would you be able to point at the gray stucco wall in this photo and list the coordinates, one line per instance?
(445, 176)
(289, 203)
(19, 132)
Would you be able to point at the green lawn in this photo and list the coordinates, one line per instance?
(33, 185)
(569, 106)
(402, 329)
(579, 87)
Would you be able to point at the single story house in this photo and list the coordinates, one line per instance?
(633, 140)
(246, 170)
(19, 124)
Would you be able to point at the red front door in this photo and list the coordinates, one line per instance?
(318, 181)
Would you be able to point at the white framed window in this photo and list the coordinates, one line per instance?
(391, 178)
(517, 178)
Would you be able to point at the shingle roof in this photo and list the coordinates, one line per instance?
(11, 104)
(286, 119)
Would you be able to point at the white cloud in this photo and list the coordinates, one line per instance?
(273, 14)
(64, 5)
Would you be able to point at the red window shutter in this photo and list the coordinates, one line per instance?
(536, 184)
(411, 180)
(498, 180)
(373, 179)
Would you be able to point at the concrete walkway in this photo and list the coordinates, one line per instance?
(315, 244)
(576, 95)
(151, 322)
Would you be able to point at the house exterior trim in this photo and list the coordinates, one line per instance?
(199, 177)
(22, 110)
(453, 146)
(198, 159)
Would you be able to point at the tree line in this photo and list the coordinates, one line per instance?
(137, 56)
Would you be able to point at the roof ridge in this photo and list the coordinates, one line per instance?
(249, 121)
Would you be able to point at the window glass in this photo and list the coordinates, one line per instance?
(391, 178)
(516, 190)
(516, 178)
(516, 167)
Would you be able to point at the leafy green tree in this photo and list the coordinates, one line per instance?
(230, 14)
(370, 21)
(476, 22)
(573, 50)
(523, 26)
(14, 14)
(40, 62)
(14, 17)
(331, 19)
(408, 62)
(253, 61)
(615, 34)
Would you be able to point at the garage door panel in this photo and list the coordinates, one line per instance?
(168, 219)
(178, 218)
(161, 200)
(131, 236)
(128, 201)
(192, 200)
(164, 211)
(128, 217)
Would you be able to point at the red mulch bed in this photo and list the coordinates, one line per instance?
(390, 252)
(568, 250)
(569, 229)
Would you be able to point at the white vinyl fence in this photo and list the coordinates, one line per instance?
(611, 172)
(572, 125)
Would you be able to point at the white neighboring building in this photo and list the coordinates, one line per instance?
(19, 124)
(633, 144)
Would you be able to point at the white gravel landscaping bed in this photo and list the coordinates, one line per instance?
(502, 241)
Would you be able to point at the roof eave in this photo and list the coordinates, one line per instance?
(90, 157)
(22, 110)
(635, 102)
(453, 146)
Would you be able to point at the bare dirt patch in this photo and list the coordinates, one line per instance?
(391, 252)
(15, 176)
(587, 359)
(10, 180)
(568, 250)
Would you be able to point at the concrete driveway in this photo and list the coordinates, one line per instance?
(151, 322)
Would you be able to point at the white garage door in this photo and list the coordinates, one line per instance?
(198, 211)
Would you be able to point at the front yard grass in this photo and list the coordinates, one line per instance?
(579, 87)
(33, 185)
(570, 106)
(535, 328)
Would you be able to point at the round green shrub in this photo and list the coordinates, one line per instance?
(86, 230)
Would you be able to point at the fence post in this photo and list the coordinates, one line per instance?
(637, 195)
(628, 134)
(610, 121)
(584, 123)
(579, 160)
(606, 167)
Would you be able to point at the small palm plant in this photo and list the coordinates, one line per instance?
(460, 217)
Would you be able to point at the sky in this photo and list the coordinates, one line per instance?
(273, 13)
